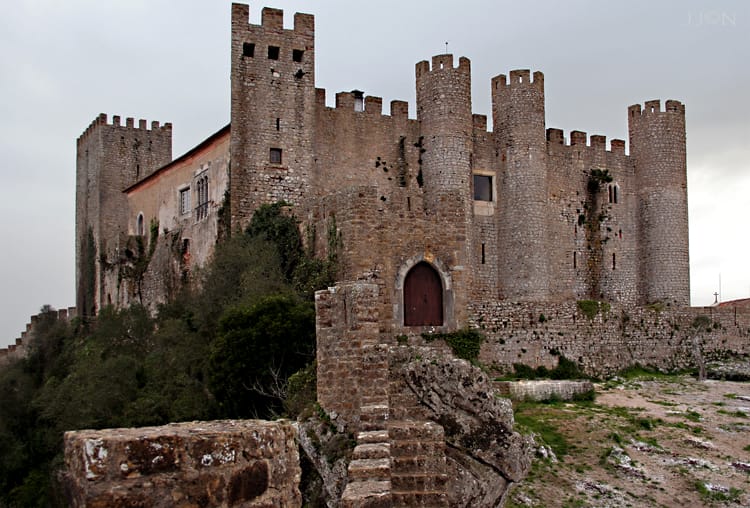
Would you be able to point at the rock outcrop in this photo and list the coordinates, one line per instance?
(484, 455)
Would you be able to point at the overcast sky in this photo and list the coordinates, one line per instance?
(62, 62)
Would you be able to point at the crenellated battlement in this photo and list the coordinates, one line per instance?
(597, 142)
(370, 105)
(517, 79)
(101, 122)
(654, 107)
(441, 63)
(273, 20)
(22, 343)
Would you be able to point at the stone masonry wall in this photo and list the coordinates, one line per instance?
(272, 108)
(346, 319)
(210, 464)
(670, 338)
(23, 343)
(110, 158)
(657, 143)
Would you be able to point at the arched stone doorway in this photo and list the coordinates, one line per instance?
(423, 296)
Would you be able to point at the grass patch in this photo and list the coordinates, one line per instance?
(537, 418)
(736, 414)
(716, 493)
(693, 416)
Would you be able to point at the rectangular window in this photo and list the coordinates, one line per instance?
(482, 188)
(297, 55)
(248, 49)
(275, 156)
(273, 52)
(185, 200)
(201, 211)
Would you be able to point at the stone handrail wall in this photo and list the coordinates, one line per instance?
(221, 463)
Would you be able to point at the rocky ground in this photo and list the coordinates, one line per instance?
(644, 441)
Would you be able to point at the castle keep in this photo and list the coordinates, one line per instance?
(438, 210)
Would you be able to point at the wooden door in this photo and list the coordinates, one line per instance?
(423, 297)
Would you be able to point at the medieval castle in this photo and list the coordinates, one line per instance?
(443, 213)
(551, 246)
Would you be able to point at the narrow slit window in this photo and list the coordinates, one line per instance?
(275, 156)
(139, 227)
(297, 55)
(611, 193)
(615, 191)
(273, 52)
(278, 124)
(248, 49)
(483, 257)
(614, 261)
(575, 260)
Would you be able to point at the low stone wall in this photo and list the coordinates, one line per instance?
(613, 338)
(545, 389)
(239, 463)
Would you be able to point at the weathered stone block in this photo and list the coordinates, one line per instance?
(242, 463)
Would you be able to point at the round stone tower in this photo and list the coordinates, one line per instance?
(657, 143)
(521, 147)
(444, 113)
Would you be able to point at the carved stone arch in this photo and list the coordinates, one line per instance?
(427, 267)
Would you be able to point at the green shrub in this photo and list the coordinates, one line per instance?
(464, 343)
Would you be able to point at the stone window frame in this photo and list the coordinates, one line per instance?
(482, 207)
(449, 318)
(276, 156)
(201, 191)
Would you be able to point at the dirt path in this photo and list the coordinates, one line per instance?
(667, 441)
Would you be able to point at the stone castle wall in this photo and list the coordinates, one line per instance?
(670, 338)
(23, 343)
(110, 158)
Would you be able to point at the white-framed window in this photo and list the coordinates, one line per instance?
(185, 200)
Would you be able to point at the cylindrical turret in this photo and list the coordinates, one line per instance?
(657, 143)
(518, 119)
(444, 112)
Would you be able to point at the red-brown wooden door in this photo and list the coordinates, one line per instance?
(423, 297)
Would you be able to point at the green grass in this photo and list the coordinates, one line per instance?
(711, 495)
(546, 431)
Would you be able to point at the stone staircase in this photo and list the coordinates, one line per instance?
(396, 464)
(418, 467)
(370, 469)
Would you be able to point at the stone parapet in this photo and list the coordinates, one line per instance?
(242, 463)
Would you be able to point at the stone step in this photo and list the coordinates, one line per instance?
(408, 499)
(369, 469)
(367, 494)
(426, 482)
(418, 464)
(408, 431)
(417, 448)
(373, 436)
(375, 399)
(372, 451)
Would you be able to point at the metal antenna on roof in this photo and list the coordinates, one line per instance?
(446, 47)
